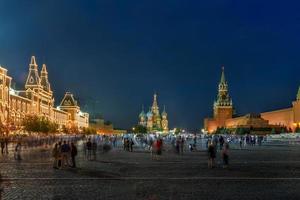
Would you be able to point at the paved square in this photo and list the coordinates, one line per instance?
(266, 172)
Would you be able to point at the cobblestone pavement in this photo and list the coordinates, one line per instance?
(270, 172)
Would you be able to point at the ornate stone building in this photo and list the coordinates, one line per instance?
(260, 123)
(153, 120)
(36, 99)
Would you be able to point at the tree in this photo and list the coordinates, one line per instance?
(139, 129)
(273, 131)
(39, 124)
(107, 123)
(89, 131)
(284, 130)
(177, 131)
(297, 130)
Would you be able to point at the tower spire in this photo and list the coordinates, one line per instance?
(298, 94)
(223, 98)
(143, 107)
(223, 80)
(155, 108)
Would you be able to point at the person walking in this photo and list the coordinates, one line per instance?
(131, 143)
(221, 141)
(153, 149)
(114, 141)
(59, 156)
(2, 146)
(177, 145)
(225, 155)
(159, 145)
(89, 149)
(181, 145)
(211, 155)
(55, 155)
(6, 141)
(73, 154)
(65, 150)
(94, 149)
(17, 154)
(241, 142)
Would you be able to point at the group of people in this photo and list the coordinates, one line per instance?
(90, 149)
(179, 145)
(64, 154)
(212, 152)
(128, 144)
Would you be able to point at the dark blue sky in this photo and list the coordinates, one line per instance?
(114, 54)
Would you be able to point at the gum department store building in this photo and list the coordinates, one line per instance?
(37, 99)
(223, 115)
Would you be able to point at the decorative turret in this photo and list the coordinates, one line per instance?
(149, 120)
(164, 113)
(164, 121)
(149, 114)
(44, 79)
(33, 79)
(143, 117)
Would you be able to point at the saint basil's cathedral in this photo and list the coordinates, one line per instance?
(153, 120)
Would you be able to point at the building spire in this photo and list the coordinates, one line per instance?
(298, 94)
(155, 108)
(44, 79)
(223, 80)
(223, 98)
(33, 79)
(32, 61)
(44, 71)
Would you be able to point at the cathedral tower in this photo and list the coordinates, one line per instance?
(143, 118)
(155, 108)
(223, 108)
(156, 114)
(149, 120)
(164, 121)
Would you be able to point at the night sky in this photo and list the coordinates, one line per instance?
(113, 55)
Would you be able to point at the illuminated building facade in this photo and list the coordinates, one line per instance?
(153, 120)
(288, 117)
(262, 123)
(37, 99)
